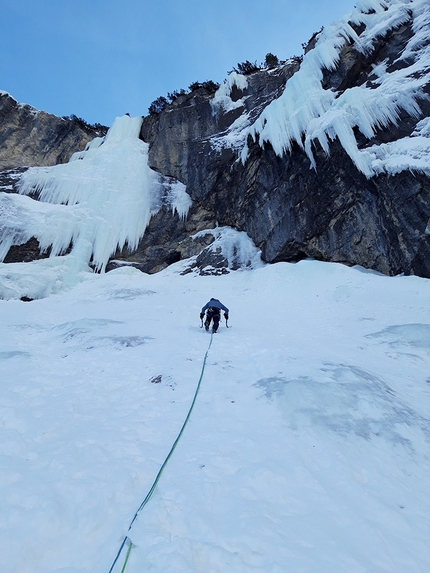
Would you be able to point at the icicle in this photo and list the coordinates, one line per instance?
(307, 112)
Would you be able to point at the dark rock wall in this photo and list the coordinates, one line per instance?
(291, 211)
(179, 136)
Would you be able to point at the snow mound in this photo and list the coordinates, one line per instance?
(41, 279)
(236, 247)
(230, 250)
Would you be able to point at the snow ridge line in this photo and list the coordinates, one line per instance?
(160, 471)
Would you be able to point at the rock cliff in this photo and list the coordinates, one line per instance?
(325, 156)
(30, 137)
(292, 207)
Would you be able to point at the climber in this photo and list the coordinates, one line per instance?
(213, 312)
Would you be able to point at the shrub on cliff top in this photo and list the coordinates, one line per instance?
(271, 61)
(208, 85)
(246, 68)
(157, 105)
(97, 127)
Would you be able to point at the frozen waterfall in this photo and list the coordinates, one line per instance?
(106, 191)
(101, 201)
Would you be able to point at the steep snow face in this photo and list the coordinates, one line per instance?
(307, 449)
(100, 201)
(307, 112)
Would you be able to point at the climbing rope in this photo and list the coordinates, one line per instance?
(130, 545)
(160, 471)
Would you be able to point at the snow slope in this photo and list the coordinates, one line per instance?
(307, 449)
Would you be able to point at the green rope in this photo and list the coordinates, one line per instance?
(160, 471)
(127, 556)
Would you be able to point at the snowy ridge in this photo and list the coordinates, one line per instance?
(306, 112)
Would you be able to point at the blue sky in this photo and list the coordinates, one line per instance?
(99, 59)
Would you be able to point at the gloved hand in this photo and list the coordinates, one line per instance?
(202, 315)
(226, 316)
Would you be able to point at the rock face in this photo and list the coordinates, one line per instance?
(29, 137)
(332, 212)
(350, 183)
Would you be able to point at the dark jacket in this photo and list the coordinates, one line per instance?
(214, 302)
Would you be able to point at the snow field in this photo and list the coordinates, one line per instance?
(307, 448)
